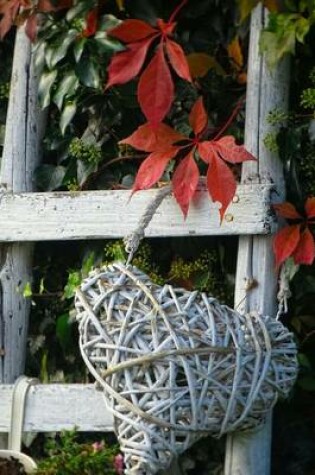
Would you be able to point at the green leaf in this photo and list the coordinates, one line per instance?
(64, 331)
(84, 170)
(49, 177)
(107, 45)
(67, 115)
(46, 81)
(107, 22)
(302, 28)
(79, 9)
(88, 73)
(74, 280)
(60, 49)
(88, 263)
(27, 291)
(67, 87)
(78, 49)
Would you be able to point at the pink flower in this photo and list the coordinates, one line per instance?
(97, 446)
(119, 464)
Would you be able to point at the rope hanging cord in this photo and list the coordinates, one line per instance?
(133, 240)
(176, 365)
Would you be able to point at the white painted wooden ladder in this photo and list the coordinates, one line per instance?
(26, 217)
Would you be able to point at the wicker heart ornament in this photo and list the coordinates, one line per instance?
(176, 365)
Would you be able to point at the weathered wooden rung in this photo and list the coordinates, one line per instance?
(54, 407)
(113, 214)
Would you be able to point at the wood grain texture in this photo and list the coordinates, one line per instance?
(20, 157)
(54, 407)
(111, 214)
(248, 454)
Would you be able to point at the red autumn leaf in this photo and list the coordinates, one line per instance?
(310, 207)
(31, 27)
(287, 210)
(9, 9)
(230, 151)
(221, 183)
(185, 181)
(126, 65)
(156, 88)
(91, 24)
(305, 251)
(153, 138)
(178, 59)
(153, 168)
(198, 117)
(131, 31)
(285, 243)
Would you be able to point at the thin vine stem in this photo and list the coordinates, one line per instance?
(177, 10)
(230, 119)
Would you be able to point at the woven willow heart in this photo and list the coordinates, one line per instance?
(176, 365)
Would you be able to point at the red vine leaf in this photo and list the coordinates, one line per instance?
(91, 24)
(153, 168)
(198, 117)
(178, 59)
(9, 9)
(152, 138)
(287, 210)
(221, 183)
(285, 243)
(131, 31)
(185, 181)
(305, 251)
(156, 88)
(125, 65)
(230, 151)
(31, 27)
(310, 207)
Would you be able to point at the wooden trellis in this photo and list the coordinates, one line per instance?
(26, 217)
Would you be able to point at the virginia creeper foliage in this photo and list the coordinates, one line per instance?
(164, 144)
(296, 239)
(156, 86)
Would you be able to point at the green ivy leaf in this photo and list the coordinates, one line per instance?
(49, 177)
(78, 49)
(67, 115)
(47, 79)
(67, 87)
(59, 50)
(88, 73)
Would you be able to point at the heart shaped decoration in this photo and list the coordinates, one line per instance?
(176, 365)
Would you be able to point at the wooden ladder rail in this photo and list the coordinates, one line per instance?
(256, 280)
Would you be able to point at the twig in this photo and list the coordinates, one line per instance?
(94, 175)
(231, 118)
